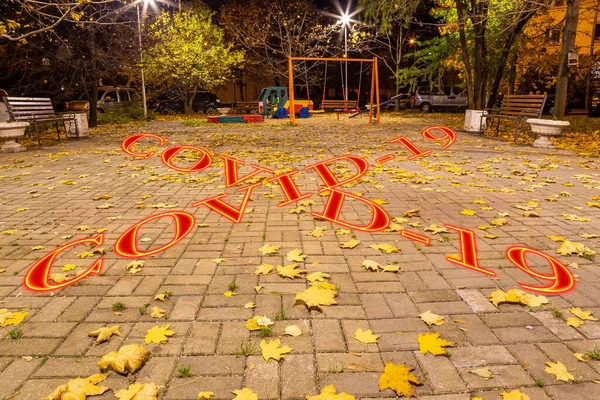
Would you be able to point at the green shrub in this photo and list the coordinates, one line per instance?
(132, 113)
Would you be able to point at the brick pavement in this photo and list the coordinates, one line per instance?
(54, 187)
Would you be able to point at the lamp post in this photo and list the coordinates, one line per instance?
(137, 7)
(345, 20)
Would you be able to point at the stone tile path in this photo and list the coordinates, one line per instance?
(49, 193)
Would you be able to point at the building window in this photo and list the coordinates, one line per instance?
(553, 35)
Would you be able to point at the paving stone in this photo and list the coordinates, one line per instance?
(481, 356)
(263, 376)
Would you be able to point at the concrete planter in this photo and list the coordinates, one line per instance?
(546, 128)
(9, 131)
(473, 120)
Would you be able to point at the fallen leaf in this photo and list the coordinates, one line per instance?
(290, 271)
(583, 314)
(273, 350)
(244, 394)
(433, 228)
(317, 232)
(268, 249)
(350, 244)
(398, 377)
(157, 312)
(468, 212)
(296, 255)
(104, 334)
(484, 373)
(128, 359)
(205, 395)
(366, 336)
(219, 260)
(229, 294)
(411, 213)
(431, 319)
(263, 269)
(371, 265)
(559, 370)
(68, 267)
(161, 296)
(433, 343)
(250, 305)
(11, 317)
(574, 322)
(158, 335)
(316, 296)
(499, 222)
(515, 395)
(138, 391)
(341, 232)
(293, 330)
(385, 248)
(329, 393)
(79, 388)
(581, 357)
(317, 277)
(390, 268)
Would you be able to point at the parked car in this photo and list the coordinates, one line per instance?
(204, 101)
(437, 99)
(114, 97)
(403, 99)
(594, 108)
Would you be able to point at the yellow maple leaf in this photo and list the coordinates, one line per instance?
(431, 319)
(157, 312)
(162, 296)
(306, 203)
(532, 300)
(298, 210)
(219, 260)
(581, 357)
(127, 359)
(252, 325)
(329, 393)
(580, 249)
(556, 238)
(433, 343)
(385, 247)
(244, 394)
(293, 330)
(296, 255)
(229, 294)
(499, 222)
(411, 213)
(468, 212)
(317, 277)
(263, 269)
(350, 244)
(484, 373)
(574, 322)
(515, 395)
(398, 377)
(68, 267)
(371, 265)
(79, 388)
(250, 305)
(433, 228)
(316, 296)
(273, 350)
(104, 334)
(158, 335)
(490, 236)
(138, 391)
(317, 232)
(366, 336)
(290, 271)
(559, 370)
(583, 314)
(390, 268)
(205, 395)
(268, 249)
(11, 317)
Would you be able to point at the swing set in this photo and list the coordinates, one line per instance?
(345, 105)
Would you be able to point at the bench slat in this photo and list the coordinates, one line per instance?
(25, 109)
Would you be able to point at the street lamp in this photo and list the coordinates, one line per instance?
(413, 43)
(146, 2)
(345, 20)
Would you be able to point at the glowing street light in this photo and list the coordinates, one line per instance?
(345, 20)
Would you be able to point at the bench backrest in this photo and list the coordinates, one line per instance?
(338, 103)
(527, 105)
(27, 108)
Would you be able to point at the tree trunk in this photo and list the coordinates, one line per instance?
(588, 79)
(479, 14)
(460, 9)
(187, 106)
(524, 17)
(562, 79)
(512, 74)
(399, 40)
(93, 122)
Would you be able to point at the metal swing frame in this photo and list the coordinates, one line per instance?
(374, 83)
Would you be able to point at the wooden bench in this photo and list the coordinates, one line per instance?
(515, 107)
(338, 105)
(36, 110)
(247, 106)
